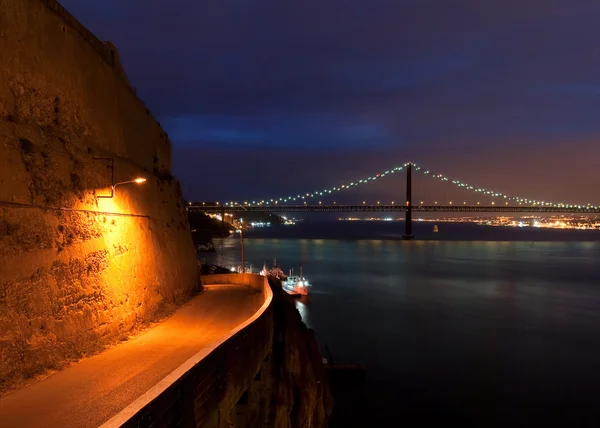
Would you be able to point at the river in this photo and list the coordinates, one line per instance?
(473, 325)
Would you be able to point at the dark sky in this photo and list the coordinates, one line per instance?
(271, 96)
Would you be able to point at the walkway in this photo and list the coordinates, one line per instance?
(92, 391)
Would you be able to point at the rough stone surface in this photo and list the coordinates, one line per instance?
(77, 271)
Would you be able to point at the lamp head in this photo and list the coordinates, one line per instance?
(139, 180)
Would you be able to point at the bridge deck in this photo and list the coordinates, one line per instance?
(92, 391)
(394, 208)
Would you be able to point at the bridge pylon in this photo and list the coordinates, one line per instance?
(408, 223)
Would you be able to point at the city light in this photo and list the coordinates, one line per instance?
(554, 222)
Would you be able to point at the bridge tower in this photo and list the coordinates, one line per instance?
(408, 223)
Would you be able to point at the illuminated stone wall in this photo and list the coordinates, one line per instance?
(78, 272)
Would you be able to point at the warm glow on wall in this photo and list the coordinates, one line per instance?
(110, 205)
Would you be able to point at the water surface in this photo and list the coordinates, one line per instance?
(481, 327)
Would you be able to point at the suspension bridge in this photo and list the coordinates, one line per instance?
(492, 202)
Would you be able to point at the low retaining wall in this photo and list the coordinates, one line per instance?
(203, 390)
(255, 282)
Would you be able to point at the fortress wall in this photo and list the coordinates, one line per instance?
(56, 74)
(77, 271)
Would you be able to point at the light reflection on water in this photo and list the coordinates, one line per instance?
(302, 306)
(475, 326)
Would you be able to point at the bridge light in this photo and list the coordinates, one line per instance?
(276, 202)
(505, 203)
(189, 203)
(464, 203)
(333, 202)
(319, 202)
(364, 202)
(377, 202)
(217, 203)
(436, 202)
(421, 202)
(477, 203)
(493, 203)
(304, 202)
(392, 202)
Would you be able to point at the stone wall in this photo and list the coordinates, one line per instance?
(79, 271)
(254, 281)
(55, 74)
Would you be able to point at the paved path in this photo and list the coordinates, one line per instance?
(92, 391)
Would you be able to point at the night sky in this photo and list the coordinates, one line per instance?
(273, 97)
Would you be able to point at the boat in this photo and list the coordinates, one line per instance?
(276, 271)
(435, 228)
(296, 285)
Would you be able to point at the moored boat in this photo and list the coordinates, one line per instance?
(296, 285)
(275, 271)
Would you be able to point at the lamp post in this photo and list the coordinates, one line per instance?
(138, 180)
(242, 239)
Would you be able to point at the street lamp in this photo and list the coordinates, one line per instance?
(242, 239)
(138, 180)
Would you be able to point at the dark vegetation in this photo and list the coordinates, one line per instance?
(205, 228)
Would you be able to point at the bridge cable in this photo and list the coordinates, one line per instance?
(487, 194)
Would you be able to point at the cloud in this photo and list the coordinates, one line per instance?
(404, 76)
